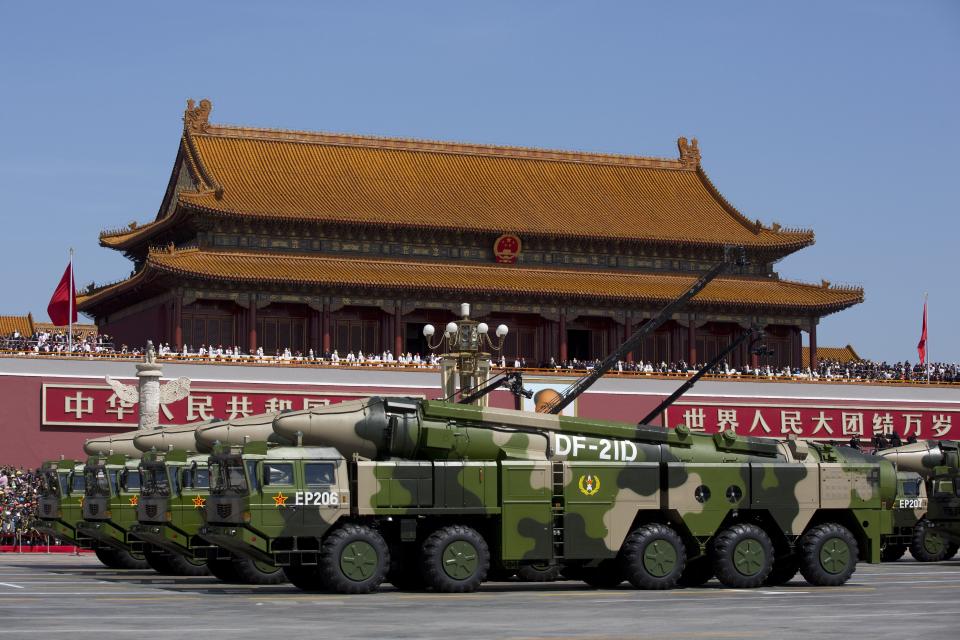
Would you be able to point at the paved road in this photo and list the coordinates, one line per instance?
(58, 595)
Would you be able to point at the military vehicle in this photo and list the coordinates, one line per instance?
(60, 496)
(111, 493)
(175, 489)
(936, 534)
(447, 490)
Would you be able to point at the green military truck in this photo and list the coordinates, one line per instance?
(434, 494)
(926, 488)
(60, 498)
(170, 513)
(111, 493)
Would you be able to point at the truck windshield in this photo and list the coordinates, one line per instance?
(78, 483)
(50, 485)
(227, 476)
(97, 482)
(155, 482)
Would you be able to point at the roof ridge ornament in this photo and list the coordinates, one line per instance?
(196, 119)
(689, 152)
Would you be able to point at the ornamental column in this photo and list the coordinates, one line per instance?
(178, 322)
(692, 343)
(627, 331)
(813, 344)
(563, 336)
(397, 333)
(326, 328)
(252, 325)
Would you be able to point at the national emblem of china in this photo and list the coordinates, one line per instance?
(506, 248)
(589, 484)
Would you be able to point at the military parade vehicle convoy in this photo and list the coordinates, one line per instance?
(437, 493)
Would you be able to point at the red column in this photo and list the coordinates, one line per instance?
(252, 326)
(813, 343)
(397, 333)
(563, 337)
(627, 332)
(178, 322)
(692, 344)
(315, 331)
(326, 328)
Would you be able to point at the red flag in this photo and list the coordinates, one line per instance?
(922, 345)
(64, 300)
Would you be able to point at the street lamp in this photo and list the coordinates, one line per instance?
(469, 346)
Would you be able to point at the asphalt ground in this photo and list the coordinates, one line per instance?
(55, 596)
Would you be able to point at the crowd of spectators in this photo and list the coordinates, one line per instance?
(56, 342)
(19, 489)
(46, 342)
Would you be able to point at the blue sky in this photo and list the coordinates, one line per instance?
(837, 116)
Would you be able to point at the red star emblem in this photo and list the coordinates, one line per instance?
(134, 501)
(280, 500)
(199, 502)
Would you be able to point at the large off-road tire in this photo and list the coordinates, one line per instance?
(828, 555)
(785, 568)
(653, 557)
(697, 573)
(117, 559)
(354, 559)
(607, 575)
(305, 577)
(892, 552)
(249, 571)
(927, 545)
(547, 572)
(742, 556)
(223, 569)
(454, 559)
(181, 566)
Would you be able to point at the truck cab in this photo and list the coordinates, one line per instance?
(943, 513)
(270, 502)
(61, 495)
(112, 493)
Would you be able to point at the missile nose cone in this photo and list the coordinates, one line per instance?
(919, 457)
(121, 443)
(355, 426)
(236, 431)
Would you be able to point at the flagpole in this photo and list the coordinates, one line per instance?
(926, 342)
(70, 307)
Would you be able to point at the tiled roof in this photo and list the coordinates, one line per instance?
(23, 324)
(441, 278)
(322, 177)
(841, 354)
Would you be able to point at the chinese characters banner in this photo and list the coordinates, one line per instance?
(99, 406)
(814, 422)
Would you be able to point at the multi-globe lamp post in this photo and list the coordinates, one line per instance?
(469, 348)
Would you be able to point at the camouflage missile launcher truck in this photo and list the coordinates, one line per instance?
(448, 490)
(111, 493)
(937, 534)
(175, 489)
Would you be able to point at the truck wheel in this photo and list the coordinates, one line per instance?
(547, 572)
(607, 575)
(249, 571)
(952, 548)
(828, 555)
(305, 577)
(742, 556)
(223, 569)
(654, 557)
(892, 552)
(784, 570)
(697, 573)
(927, 545)
(117, 559)
(455, 559)
(182, 566)
(354, 559)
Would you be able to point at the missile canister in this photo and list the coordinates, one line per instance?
(121, 444)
